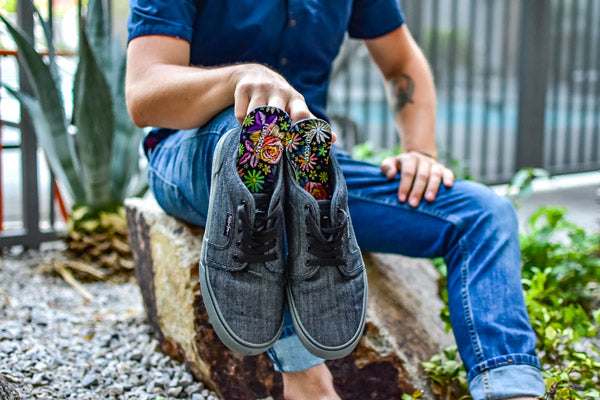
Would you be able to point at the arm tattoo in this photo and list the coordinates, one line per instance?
(403, 90)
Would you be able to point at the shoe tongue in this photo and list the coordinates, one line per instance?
(325, 211)
(261, 204)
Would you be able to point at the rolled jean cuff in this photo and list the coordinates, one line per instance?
(289, 355)
(507, 379)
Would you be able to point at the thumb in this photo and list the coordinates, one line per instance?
(389, 168)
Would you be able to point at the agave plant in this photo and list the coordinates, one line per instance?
(94, 153)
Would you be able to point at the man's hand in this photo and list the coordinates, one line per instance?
(257, 85)
(419, 174)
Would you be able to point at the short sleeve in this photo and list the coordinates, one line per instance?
(161, 17)
(374, 18)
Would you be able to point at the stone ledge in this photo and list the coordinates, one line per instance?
(403, 324)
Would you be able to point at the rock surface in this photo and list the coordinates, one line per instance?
(403, 326)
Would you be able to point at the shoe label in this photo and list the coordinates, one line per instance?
(228, 221)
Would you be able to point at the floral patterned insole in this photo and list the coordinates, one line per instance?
(308, 146)
(264, 132)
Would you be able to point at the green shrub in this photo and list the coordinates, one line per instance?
(94, 152)
(561, 279)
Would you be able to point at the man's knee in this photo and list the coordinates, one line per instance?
(486, 207)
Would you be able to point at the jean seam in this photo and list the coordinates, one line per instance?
(475, 342)
(511, 359)
(466, 302)
(275, 359)
(487, 387)
(432, 213)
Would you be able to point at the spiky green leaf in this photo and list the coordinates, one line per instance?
(44, 133)
(53, 129)
(95, 126)
(99, 35)
(125, 170)
(49, 44)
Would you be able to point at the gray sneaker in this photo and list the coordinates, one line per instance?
(242, 262)
(327, 281)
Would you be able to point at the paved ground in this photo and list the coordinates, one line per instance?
(579, 193)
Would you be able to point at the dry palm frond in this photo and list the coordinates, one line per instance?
(68, 277)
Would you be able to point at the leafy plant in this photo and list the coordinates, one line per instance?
(561, 278)
(94, 154)
(521, 185)
(365, 152)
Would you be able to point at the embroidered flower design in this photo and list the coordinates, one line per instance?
(270, 150)
(307, 163)
(322, 150)
(319, 130)
(254, 180)
(293, 142)
(249, 157)
(316, 190)
(323, 177)
(249, 120)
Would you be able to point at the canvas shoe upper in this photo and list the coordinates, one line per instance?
(327, 284)
(242, 260)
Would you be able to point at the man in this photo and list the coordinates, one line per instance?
(190, 61)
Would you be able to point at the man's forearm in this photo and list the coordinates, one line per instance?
(179, 97)
(411, 94)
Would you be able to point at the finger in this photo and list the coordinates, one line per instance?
(448, 177)
(298, 110)
(433, 184)
(257, 100)
(408, 169)
(276, 101)
(388, 167)
(420, 182)
(242, 99)
(333, 137)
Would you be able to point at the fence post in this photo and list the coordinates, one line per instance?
(31, 210)
(534, 56)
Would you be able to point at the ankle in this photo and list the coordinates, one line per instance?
(312, 384)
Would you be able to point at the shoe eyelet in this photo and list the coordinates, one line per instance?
(238, 243)
(235, 257)
(307, 261)
(306, 207)
(308, 247)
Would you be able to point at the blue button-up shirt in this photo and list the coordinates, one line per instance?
(297, 38)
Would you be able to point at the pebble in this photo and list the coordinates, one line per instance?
(56, 345)
(89, 380)
(174, 391)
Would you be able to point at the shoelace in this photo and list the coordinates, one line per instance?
(325, 244)
(257, 241)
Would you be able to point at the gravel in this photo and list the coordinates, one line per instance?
(56, 345)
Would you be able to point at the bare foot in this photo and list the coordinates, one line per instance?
(315, 383)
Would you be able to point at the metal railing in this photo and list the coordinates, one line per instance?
(34, 229)
(518, 85)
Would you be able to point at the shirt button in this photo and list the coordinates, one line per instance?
(293, 23)
(283, 60)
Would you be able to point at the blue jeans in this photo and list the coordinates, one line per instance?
(475, 231)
